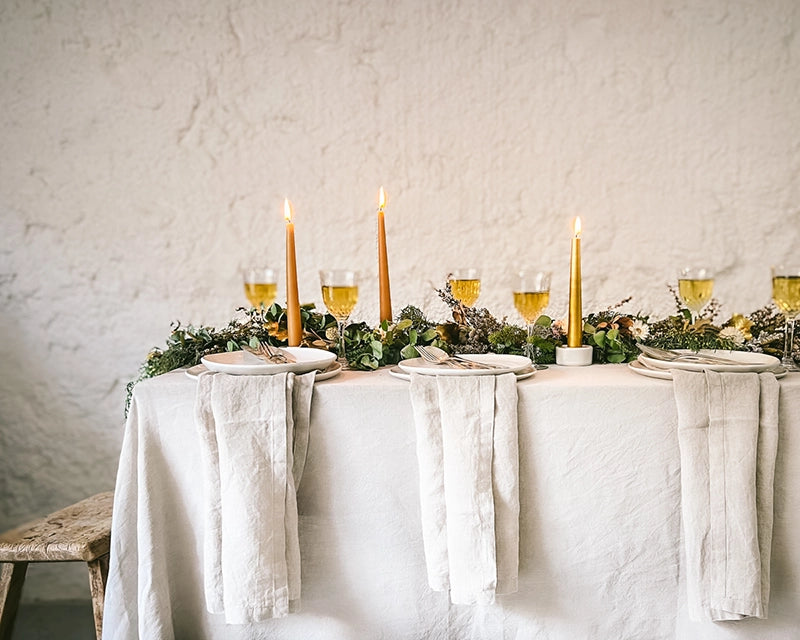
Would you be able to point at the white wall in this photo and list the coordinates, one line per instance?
(146, 148)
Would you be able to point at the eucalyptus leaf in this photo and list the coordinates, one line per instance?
(599, 338)
(429, 335)
(408, 352)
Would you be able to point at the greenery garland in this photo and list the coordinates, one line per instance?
(611, 333)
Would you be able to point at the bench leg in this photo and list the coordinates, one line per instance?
(98, 574)
(12, 577)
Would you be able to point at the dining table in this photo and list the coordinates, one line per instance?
(601, 552)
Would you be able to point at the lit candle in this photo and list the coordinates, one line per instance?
(575, 321)
(383, 262)
(293, 324)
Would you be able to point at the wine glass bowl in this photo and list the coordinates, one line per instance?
(695, 286)
(786, 295)
(260, 286)
(465, 285)
(340, 295)
(531, 296)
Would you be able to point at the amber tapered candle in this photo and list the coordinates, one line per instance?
(293, 323)
(575, 320)
(383, 263)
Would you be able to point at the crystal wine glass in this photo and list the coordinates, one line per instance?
(786, 294)
(465, 285)
(260, 286)
(340, 295)
(695, 285)
(531, 296)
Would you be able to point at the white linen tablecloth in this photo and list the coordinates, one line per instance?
(600, 534)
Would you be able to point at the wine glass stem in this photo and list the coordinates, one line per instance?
(342, 356)
(529, 348)
(788, 361)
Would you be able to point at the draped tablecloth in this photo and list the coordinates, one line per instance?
(600, 534)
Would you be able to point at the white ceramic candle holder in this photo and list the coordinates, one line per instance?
(574, 356)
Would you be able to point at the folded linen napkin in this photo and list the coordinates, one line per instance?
(728, 439)
(254, 436)
(467, 449)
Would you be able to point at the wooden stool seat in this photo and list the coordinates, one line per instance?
(78, 533)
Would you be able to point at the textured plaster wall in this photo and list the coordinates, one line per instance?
(146, 148)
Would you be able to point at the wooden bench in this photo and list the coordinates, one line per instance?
(78, 533)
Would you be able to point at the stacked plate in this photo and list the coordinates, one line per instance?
(499, 363)
(739, 362)
(242, 363)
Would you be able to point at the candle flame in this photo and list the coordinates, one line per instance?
(287, 210)
(577, 227)
(381, 198)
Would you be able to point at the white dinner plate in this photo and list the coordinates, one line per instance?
(746, 361)
(503, 363)
(397, 372)
(333, 369)
(664, 374)
(241, 363)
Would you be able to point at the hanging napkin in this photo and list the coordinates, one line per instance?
(728, 438)
(254, 437)
(468, 457)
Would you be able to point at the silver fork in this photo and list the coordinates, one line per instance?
(275, 354)
(259, 353)
(266, 355)
(288, 357)
(429, 357)
(446, 359)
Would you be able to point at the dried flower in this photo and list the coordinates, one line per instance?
(733, 334)
(743, 325)
(639, 329)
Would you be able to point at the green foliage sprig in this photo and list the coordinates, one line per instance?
(613, 335)
(368, 349)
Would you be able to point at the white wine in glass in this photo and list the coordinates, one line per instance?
(340, 295)
(531, 296)
(695, 286)
(786, 294)
(260, 286)
(465, 285)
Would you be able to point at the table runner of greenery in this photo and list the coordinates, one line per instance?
(612, 334)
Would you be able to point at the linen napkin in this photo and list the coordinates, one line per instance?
(728, 439)
(467, 449)
(254, 437)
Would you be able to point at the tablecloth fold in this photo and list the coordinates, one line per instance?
(467, 450)
(728, 438)
(254, 433)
